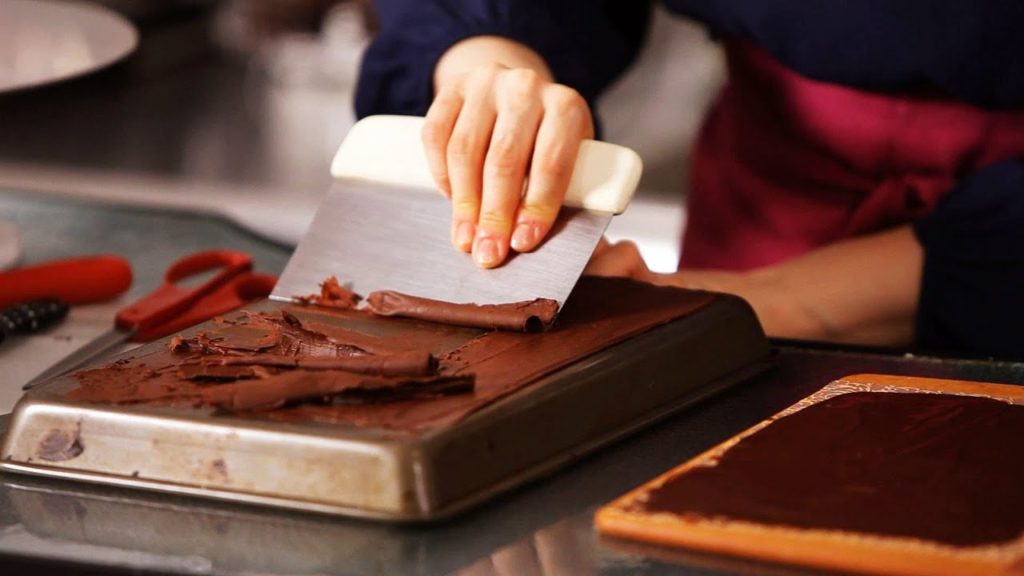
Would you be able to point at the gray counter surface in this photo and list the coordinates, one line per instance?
(542, 529)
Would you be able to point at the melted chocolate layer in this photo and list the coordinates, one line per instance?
(936, 467)
(276, 391)
(528, 316)
(414, 363)
(474, 367)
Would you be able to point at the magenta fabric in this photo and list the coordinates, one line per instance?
(785, 164)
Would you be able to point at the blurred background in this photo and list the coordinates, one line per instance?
(236, 107)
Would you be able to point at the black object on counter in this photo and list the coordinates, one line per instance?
(31, 316)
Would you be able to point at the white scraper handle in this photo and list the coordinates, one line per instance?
(389, 149)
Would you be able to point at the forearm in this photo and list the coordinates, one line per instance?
(862, 290)
(478, 51)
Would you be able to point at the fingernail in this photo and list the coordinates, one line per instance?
(485, 252)
(464, 233)
(525, 236)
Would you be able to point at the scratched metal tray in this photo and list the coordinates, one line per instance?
(376, 473)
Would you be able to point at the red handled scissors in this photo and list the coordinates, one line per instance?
(175, 306)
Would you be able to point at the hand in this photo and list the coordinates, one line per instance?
(619, 259)
(860, 290)
(487, 129)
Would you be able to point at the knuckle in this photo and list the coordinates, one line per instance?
(461, 147)
(524, 81)
(551, 166)
(494, 221)
(503, 156)
(539, 211)
(482, 76)
(465, 206)
(520, 97)
(565, 100)
(627, 250)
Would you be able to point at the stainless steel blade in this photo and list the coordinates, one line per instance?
(102, 344)
(386, 237)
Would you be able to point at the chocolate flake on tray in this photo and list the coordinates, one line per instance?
(332, 295)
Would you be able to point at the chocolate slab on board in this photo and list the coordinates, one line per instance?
(218, 411)
(873, 473)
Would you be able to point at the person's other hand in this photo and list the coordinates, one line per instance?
(501, 142)
(619, 259)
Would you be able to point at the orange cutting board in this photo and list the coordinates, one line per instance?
(696, 506)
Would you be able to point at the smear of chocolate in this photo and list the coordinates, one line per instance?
(418, 389)
(936, 467)
(217, 371)
(414, 363)
(528, 316)
(333, 295)
(287, 387)
(281, 334)
(59, 445)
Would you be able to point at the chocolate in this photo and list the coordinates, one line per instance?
(937, 467)
(527, 316)
(333, 295)
(412, 389)
(59, 445)
(602, 312)
(415, 363)
(275, 391)
(280, 334)
(211, 371)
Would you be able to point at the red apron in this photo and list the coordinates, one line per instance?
(785, 164)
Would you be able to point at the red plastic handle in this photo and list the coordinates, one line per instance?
(171, 300)
(240, 291)
(75, 280)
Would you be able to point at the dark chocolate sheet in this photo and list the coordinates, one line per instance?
(939, 467)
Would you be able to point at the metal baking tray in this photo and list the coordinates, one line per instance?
(376, 473)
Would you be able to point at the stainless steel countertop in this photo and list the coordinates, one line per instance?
(544, 528)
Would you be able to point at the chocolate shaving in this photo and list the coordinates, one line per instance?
(424, 389)
(527, 316)
(286, 387)
(178, 344)
(217, 371)
(415, 363)
(332, 295)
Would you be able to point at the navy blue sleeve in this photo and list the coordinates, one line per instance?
(586, 43)
(972, 290)
(972, 50)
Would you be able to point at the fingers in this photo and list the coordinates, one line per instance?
(519, 114)
(482, 135)
(603, 245)
(437, 131)
(566, 123)
(465, 154)
(619, 259)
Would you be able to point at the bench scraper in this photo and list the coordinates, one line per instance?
(383, 225)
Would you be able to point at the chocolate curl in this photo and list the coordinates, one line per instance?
(281, 389)
(413, 363)
(527, 316)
